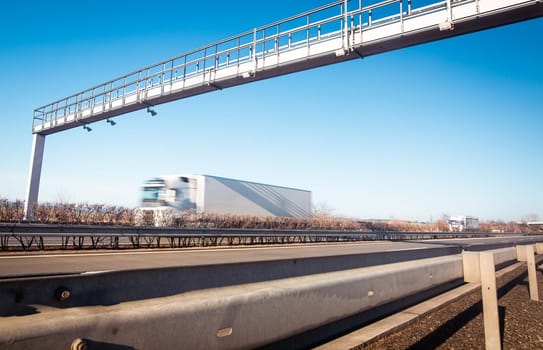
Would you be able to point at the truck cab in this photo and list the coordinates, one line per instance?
(164, 198)
(171, 192)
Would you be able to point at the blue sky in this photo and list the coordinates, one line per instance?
(449, 127)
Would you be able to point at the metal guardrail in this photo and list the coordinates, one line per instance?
(41, 237)
(325, 303)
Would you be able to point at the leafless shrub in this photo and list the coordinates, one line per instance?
(441, 226)
(123, 216)
(68, 213)
(500, 226)
(144, 218)
(192, 219)
(164, 218)
(11, 211)
(101, 214)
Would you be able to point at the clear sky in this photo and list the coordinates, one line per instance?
(450, 127)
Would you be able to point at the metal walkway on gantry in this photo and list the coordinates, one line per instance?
(337, 32)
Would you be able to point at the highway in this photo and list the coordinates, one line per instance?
(44, 264)
(152, 298)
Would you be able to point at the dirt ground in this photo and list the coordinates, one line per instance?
(459, 325)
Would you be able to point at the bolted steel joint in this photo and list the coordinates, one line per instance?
(78, 344)
(62, 293)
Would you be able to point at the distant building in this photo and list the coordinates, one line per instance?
(463, 223)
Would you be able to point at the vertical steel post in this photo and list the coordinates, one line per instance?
(449, 10)
(308, 32)
(36, 157)
(401, 15)
(162, 78)
(253, 51)
(360, 19)
(346, 24)
(277, 38)
(254, 55)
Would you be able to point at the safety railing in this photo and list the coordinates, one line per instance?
(43, 237)
(324, 23)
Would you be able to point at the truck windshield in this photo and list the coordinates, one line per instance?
(150, 194)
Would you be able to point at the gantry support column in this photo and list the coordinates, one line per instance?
(36, 157)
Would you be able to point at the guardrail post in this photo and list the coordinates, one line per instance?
(479, 267)
(490, 301)
(532, 277)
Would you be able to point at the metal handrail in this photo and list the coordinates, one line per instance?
(167, 71)
(194, 51)
(229, 52)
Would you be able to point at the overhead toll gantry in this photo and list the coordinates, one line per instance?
(337, 32)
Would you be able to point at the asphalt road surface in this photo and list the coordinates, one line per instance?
(43, 264)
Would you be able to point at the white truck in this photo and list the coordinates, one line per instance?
(461, 223)
(219, 195)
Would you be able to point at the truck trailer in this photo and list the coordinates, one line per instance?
(219, 195)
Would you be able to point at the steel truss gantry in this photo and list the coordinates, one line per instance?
(340, 31)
